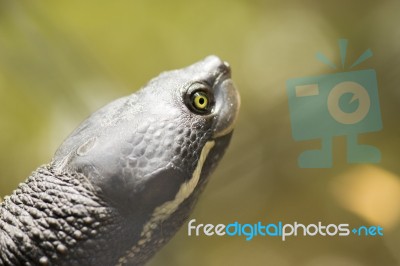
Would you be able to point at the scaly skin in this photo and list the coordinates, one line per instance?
(54, 219)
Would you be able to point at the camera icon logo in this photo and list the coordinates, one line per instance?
(339, 104)
(358, 92)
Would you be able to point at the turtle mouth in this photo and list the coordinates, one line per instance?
(227, 105)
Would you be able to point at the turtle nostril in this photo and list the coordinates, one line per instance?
(225, 68)
(223, 72)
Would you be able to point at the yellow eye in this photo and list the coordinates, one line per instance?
(200, 101)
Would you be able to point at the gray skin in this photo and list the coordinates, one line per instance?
(124, 182)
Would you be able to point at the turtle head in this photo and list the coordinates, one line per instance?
(149, 152)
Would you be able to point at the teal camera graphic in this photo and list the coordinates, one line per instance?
(339, 104)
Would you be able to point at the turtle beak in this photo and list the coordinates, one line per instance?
(227, 104)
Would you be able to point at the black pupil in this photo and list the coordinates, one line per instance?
(201, 101)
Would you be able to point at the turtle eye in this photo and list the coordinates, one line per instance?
(199, 99)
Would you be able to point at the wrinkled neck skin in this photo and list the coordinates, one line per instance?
(57, 220)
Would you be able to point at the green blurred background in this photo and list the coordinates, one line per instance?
(61, 60)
